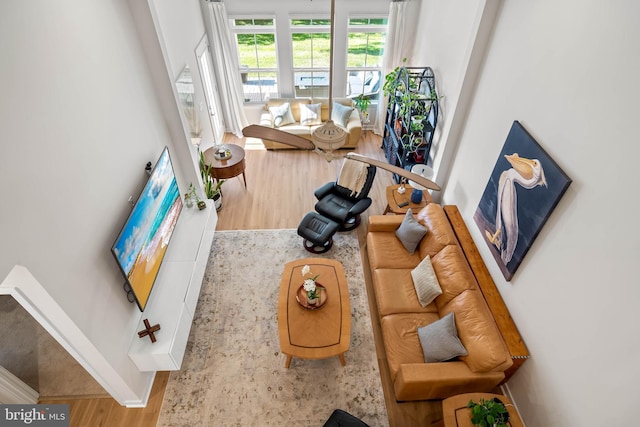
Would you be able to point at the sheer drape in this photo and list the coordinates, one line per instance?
(396, 29)
(225, 62)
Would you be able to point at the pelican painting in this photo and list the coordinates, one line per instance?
(528, 173)
(525, 186)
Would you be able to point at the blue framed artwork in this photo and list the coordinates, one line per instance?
(524, 188)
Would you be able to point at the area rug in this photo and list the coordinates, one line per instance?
(233, 373)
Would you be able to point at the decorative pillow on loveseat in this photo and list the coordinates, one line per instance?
(439, 340)
(410, 232)
(425, 282)
(340, 114)
(310, 114)
(282, 115)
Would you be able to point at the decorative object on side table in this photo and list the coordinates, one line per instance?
(488, 413)
(222, 152)
(525, 186)
(149, 330)
(475, 409)
(311, 294)
(424, 171)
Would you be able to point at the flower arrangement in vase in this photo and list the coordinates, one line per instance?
(313, 293)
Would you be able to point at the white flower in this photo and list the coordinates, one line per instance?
(306, 270)
(309, 285)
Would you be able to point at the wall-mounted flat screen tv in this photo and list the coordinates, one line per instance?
(142, 243)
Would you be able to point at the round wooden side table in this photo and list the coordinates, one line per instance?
(228, 168)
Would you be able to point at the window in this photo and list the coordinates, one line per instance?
(256, 42)
(365, 47)
(294, 60)
(310, 41)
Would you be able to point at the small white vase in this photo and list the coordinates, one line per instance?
(312, 301)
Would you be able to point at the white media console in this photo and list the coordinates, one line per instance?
(174, 297)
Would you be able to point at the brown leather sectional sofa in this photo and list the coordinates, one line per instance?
(353, 125)
(400, 313)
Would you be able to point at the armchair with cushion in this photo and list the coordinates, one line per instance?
(345, 199)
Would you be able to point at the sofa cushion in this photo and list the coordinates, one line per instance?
(425, 282)
(400, 336)
(440, 234)
(310, 114)
(395, 292)
(340, 114)
(385, 251)
(410, 232)
(478, 332)
(454, 274)
(282, 114)
(439, 340)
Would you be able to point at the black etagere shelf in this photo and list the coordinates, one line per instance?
(411, 117)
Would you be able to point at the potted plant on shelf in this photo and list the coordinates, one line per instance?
(391, 82)
(191, 196)
(488, 413)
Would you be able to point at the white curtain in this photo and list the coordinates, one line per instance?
(226, 65)
(393, 52)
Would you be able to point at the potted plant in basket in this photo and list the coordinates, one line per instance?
(211, 188)
(488, 413)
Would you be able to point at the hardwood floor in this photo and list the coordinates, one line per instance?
(279, 192)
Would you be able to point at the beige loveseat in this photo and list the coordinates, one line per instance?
(352, 126)
(400, 313)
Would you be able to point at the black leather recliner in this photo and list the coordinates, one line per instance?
(340, 418)
(337, 203)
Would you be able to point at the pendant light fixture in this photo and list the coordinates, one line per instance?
(329, 136)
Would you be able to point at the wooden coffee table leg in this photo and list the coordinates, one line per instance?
(344, 362)
(288, 362)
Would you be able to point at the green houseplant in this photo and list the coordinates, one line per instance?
(362, 103)
(391, 82)
(488, 413)
(211, 188)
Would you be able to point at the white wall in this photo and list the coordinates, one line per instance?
(569, 72)
(451, 39)
(79, 118)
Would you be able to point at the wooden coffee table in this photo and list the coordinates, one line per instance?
(320, 333)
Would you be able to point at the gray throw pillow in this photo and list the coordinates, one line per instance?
(440, 341)
(340, 114)
(282, 115)
(425, 282)
(410, 232)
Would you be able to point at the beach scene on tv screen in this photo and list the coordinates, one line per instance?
(143, 241)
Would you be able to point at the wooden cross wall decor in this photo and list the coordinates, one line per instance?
(149, 330)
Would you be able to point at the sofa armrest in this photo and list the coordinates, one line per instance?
(384, 222)
(324, 190)
(354, 123)
(426, 381)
